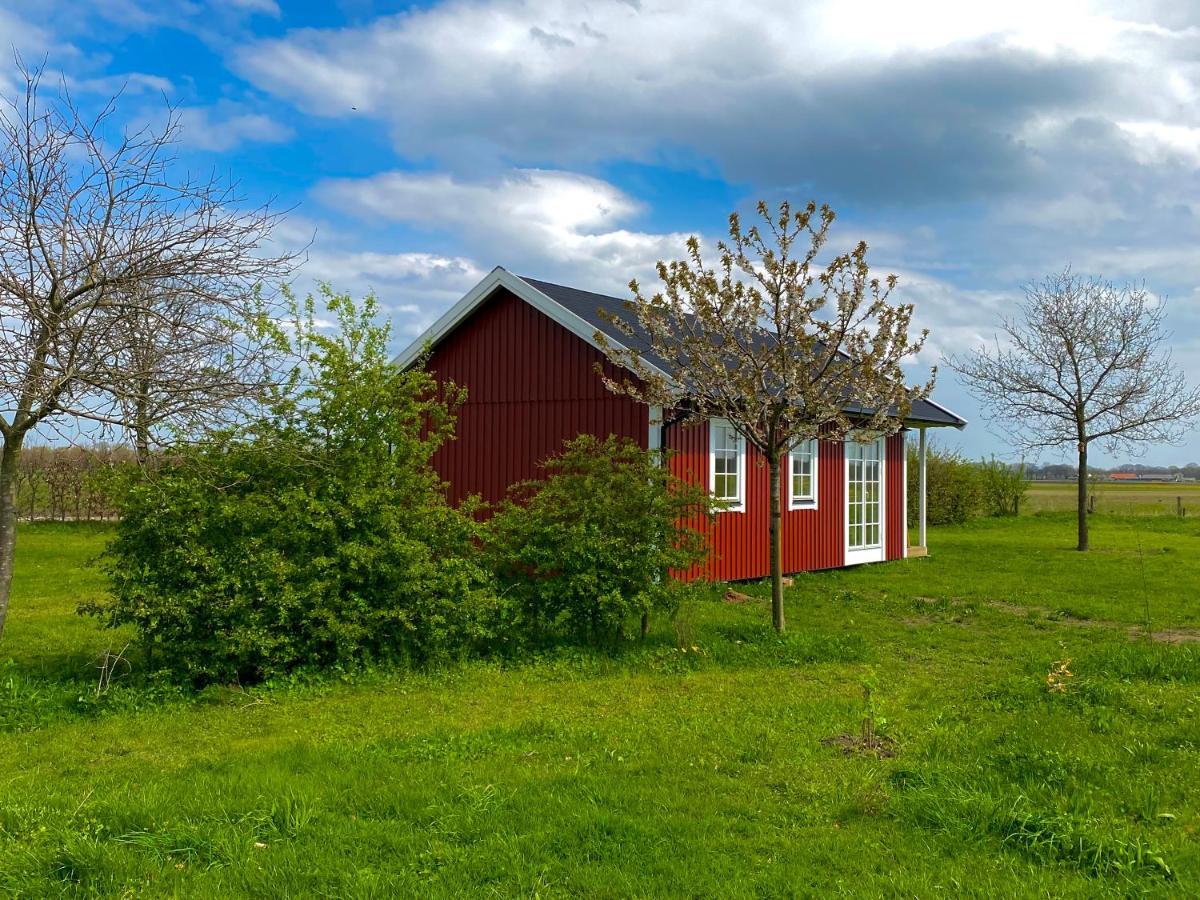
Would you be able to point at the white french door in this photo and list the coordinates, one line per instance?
(864, 502)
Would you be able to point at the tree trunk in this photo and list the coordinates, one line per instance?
(10, 456)
(1083, 497)
(142, 444)
(774, 468)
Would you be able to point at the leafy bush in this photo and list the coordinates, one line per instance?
(953, 489)
(1002, 487)
(317, 536)
(588, 550)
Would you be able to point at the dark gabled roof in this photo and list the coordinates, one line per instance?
(591, 307)
(583, 313)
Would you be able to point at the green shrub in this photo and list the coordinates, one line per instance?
(953, 490)
(1002, 487)
(587, 550)
(318, 536)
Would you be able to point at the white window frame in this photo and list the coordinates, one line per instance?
(877, 552)
(731, 505)
(800, 502)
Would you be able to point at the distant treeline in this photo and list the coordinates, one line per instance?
(68, 483)
(1064, 472)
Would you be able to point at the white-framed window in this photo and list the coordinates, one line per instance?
(864, 495)
(802, 476)
(727, 465)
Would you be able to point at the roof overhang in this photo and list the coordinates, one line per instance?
(501, 278)
(959, 422)
(474, 298)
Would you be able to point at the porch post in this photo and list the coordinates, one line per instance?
(921, 490)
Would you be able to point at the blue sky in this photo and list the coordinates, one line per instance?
(975, 146)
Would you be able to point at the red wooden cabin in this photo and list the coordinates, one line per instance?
(526, 352)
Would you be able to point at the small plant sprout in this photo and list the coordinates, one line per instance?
(872, 724)
(1059, 676)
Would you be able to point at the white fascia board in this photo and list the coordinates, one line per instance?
(450, 318)
(948, 412)
(500, 277)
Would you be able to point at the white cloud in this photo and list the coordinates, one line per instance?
(778, 92)
(227, 125)
(127, 84)
(413, 288)
(264, 7)
(550, 223)
(340, 266)
(1156, 139)
(979, 145)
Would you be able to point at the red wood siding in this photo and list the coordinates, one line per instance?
(816, 538)
(897, 533)
(530, 386)
(740, 541)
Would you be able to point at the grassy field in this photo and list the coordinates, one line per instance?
(693, 765)
(1114, 498)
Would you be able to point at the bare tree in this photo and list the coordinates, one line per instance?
(784, 349)
(96, 230)
(1082, 361)
(186, 358)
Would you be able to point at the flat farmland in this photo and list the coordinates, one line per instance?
(1123, 499)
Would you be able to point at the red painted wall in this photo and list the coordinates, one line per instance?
(816, 539)
(740, 541)
(530, 386)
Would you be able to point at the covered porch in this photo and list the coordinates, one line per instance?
(940, 418)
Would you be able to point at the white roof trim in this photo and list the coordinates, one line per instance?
(500, 277)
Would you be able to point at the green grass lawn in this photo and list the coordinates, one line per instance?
(658, 772)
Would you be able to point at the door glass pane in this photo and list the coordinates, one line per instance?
(863, 495)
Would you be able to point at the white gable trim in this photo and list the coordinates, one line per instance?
(498, 278)
(948, 412)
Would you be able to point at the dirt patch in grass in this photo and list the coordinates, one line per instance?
(732, 596)
(1169, 636)
(933, 620)
(1063, 617)
(878, 745)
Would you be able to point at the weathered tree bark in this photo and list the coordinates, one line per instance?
(141, 445)
(140, 425)
(10, 455)
(1082, 497)
(775, 468)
